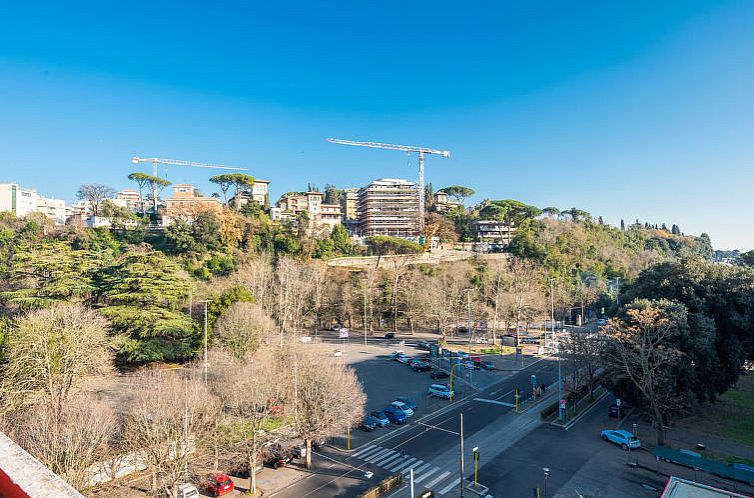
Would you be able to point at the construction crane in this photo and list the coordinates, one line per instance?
(177, 162)
(421, 151)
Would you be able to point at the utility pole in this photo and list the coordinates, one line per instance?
(560, 389)
(461, 483)
(365, 311)
(552, 314)
(185, 432)
(468, 319)
(617, 291)
(206, 362)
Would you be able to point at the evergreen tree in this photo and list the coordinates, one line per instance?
(675, 230)
(600, 220)
(622, 225)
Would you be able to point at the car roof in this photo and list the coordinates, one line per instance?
(623, 433)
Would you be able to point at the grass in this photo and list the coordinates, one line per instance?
(732, 417)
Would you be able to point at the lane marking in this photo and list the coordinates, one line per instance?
(387, 456)
(493, 401)
(450, 486)
(412, 466)
(438, 479)
(371, 452)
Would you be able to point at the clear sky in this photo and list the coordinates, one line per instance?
(627, 109)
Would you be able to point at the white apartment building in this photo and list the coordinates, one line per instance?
(53, 208)
(259, 192)
(17, 200)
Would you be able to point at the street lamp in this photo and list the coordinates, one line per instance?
(546, 471)
(468, 319)
(206, 362)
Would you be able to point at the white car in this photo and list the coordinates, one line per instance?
(394, 355)
(440, 390)
(187, 491)
(403, 358)
(408, 412)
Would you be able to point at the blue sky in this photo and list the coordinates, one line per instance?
(625, 109)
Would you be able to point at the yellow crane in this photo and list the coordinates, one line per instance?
(421, 151)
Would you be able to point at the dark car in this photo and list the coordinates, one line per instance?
(439, 374)
(529, 340)
(423, 345)
(298, 451)
(390, 335)
(395, 415)
(381, 418)
(278, 457)
(487, 365)
(420, 366)
(369, 423)
(616, 411)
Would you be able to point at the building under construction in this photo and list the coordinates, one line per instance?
(389, 207)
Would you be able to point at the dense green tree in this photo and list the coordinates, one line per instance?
(154, 184)
(179, 237)
(458, 192)
(239, 181)
(675, 230)
(747, 258)
(332, 194)
(551, 211)
(341, 241)
(141, 294)
(383, 245)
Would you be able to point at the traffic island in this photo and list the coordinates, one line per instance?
(477, 489)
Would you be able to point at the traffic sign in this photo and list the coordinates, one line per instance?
(533, 380)
(617, 402)
(562, 404)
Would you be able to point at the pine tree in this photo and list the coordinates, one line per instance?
(675, 230)
(664, 227)
(600, 220)
(622, 225)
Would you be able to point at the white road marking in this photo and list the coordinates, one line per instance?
(377, 456)
(412, 466)
(421, 469)
(363, 450)
(426, 474)
(371, 452)
(483, 400)
(388, 461)
(450, 486)
(398, 467)
(385, 457)
(438, 479)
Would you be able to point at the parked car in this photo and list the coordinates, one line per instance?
(382, 418)
(395, 415)
(403, 407)
(403, 358)
(336, 328)
(423, 345)
(622, 438)
(187, 491)
(462, 354)
(487, 365)
(529, 340)
(369, 423)
(390, 335)
(469, 365)
(602, 321)
(220, 484)
(337, 352)
(420, 366)
(298, 451)
(439, 374)
(278, 457)
(395, 354)
(440, 390)
(406, 401)
(616, 411)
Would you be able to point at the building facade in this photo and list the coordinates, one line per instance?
(496, 233)
(349, 204)
(320, 215)
(129, 199)
(259, 193)
(17, 200)
(186, 205)
(443, 203)
(388, 207)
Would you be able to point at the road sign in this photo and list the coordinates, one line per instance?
(343, 333)
(617, 402)
(562, 404)
(533, 380)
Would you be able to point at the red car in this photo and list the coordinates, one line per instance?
(220, 484)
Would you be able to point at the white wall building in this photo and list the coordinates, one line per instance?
(17, 200)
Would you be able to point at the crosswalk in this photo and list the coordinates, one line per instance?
(430, 476)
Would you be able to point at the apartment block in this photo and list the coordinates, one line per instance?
(17, 200)
(443, 203)
(389, 207)
(54, 209)
(321, 215)
(497, 233)
(349, 204)
(130, 199)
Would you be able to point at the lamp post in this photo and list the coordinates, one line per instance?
(552, 313)
(461, 435)
(365, 311)
(547, 474)
(206, 362)
(450, 383)
(468, 319)
(560, 388)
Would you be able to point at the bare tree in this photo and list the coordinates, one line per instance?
(327, 398)
(643, 353)
(51, 352)
(95, 194)
(242, 328)
(71, 441)
(250, 392)
(168, 415)
(525, 296)
(295, 285)
(585, 351)
(443, 295)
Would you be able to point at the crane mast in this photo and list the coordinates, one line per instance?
(420, 151)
